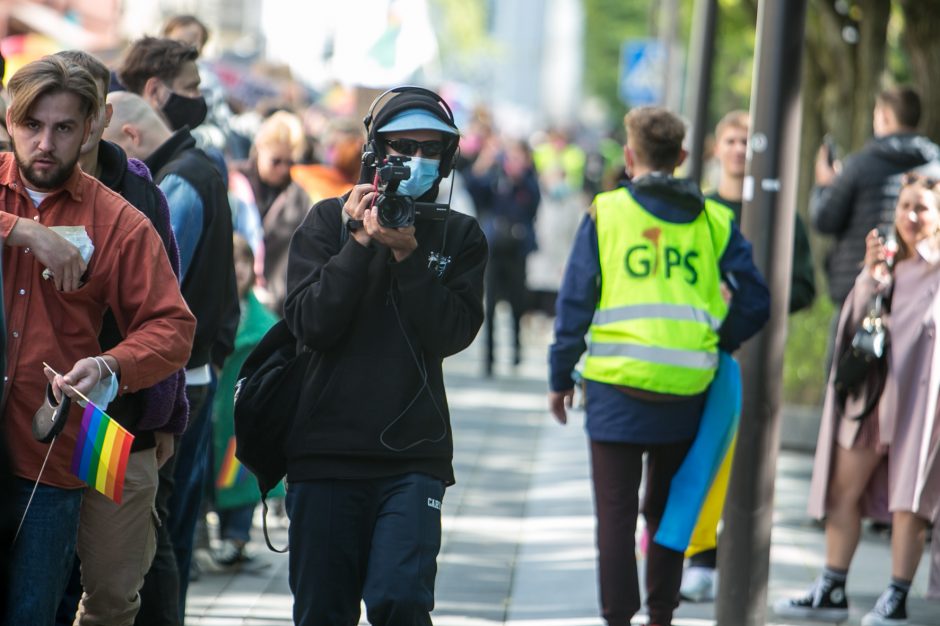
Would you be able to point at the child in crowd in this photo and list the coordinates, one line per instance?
(236, 491)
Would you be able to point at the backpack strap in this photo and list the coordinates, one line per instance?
(343, 237)
(264, 526)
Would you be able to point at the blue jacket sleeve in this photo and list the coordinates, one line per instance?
(574, 309)
(750, 305)
(186, 217)
(480, 188)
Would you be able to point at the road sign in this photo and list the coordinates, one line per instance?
(641, 72)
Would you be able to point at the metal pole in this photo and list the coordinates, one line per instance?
(701, 59)
(769, 205)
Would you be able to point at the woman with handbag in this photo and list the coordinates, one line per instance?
(893, 447)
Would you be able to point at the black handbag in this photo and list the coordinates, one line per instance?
(863, 364)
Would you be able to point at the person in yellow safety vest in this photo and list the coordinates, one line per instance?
(700, 576)
(662, 279)
(560, 164)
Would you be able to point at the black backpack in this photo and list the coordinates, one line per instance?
(266, 396)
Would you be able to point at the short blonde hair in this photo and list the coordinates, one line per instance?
(48, 75)
(734, 119)
(282, 128)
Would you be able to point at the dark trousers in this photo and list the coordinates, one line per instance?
(375, 540)
(617, 469)
(163, 596)
(68, 607)
(191, 478)
(504, 281)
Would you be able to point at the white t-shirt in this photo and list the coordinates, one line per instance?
(37, 196)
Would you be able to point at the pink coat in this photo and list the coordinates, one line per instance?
(909, 480)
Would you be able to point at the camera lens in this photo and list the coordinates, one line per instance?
(395, 211)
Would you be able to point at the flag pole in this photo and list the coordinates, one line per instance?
(80, 394)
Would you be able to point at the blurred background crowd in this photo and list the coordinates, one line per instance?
(544, 82)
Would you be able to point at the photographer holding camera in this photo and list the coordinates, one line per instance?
(370, 451)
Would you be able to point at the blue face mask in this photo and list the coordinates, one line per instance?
(106, 389)
(423, 174)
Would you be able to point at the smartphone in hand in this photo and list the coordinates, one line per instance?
(830, 145)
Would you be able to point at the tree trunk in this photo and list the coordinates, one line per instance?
(840, 81)
(852, 71)
(922, 39)
(814, 81)
(869, 65)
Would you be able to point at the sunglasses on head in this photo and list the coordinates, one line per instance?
(409, 147)
(918, 179)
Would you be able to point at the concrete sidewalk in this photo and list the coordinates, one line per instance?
(518, 545)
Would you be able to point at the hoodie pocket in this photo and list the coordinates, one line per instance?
(371, 404)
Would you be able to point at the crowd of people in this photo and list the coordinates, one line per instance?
(169, 235)
(153, 239)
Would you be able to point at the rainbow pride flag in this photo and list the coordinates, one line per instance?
(232, 471)
(101, 451)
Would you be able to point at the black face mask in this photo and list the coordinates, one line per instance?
(182, 111)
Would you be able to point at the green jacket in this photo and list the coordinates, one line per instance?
(255, 321)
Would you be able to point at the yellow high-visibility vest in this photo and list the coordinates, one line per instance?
(656, 324)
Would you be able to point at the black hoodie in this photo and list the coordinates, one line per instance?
(863, 197)
(374, 402)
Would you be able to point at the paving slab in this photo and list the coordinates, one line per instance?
(518, 527)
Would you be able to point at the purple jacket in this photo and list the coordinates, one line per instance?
(163, 407)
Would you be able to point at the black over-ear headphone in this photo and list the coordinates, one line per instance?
(405, 97)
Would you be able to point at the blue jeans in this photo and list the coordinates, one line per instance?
(43, 553)
(375, 540)
(190, 481)
(235, 524)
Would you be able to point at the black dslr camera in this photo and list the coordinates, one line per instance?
(394, 210)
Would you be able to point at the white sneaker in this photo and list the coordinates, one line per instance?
(699, 584)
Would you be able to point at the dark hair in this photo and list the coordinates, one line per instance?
(904, 102)
(150, 57)
(655, 135)
(50, 74)
(98, 70)
(182, 21)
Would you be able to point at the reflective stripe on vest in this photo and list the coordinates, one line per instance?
(666, 356)
(679, 312)
(657, 319)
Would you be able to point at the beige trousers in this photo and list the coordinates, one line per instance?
(116, 544)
